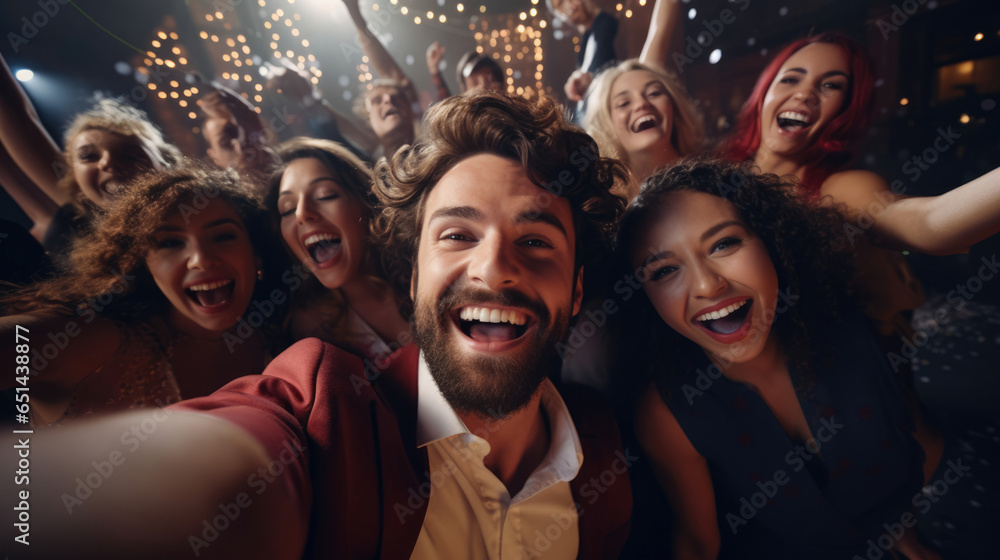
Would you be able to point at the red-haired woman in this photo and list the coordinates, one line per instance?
(810, 106)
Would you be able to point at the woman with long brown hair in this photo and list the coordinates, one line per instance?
(321, 196)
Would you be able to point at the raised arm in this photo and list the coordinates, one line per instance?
(380, 58)
(435, 52)
(683, 474)
(295, 85)
(26, 140)
(663, 24)
(938, 225)
(35, 203)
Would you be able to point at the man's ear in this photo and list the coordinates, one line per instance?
(578, 291)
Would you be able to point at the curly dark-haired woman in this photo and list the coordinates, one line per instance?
(147, 315)
(769, 412)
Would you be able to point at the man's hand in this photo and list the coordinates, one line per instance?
(435, 52)
(292, 82)
(577, 85)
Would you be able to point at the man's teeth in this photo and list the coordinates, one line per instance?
(793, 116)
(712, 315)
(487, 315)
(316, 238)
(209, 286)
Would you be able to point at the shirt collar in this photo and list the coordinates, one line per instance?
(435, 417)
(437, 420)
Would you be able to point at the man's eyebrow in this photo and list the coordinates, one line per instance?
(544, 217)
(464, 212)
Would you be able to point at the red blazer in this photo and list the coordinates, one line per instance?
(341, 435)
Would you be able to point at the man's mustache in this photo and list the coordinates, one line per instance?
(463, 297)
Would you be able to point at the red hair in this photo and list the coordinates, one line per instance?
(833, 147)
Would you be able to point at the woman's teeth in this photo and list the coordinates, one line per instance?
(322, 247)
(643, 123)
(791, 119)
(712, 315)
(209, 286)
(211, 294)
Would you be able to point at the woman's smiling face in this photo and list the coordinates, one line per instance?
(810, 90)
(205, 265)
(709, 277)
(323, 224)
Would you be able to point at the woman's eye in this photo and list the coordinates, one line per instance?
(222, 237)
(833, 86)
(288, 212)
(331, 196)
(168, 243)
(726, 243)
(789, 80)
(455, 237)
(662, 272)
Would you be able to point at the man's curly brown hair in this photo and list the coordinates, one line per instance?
(557, 156)
(807, 244)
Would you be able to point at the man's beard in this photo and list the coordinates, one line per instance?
(488, 386)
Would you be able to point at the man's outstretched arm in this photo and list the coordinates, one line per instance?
(157, 484)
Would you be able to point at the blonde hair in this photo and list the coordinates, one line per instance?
(114, 116)
(688, 132)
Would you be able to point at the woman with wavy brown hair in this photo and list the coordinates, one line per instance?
(321, 197)
(153, 309)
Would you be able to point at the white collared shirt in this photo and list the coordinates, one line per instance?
(470, 514)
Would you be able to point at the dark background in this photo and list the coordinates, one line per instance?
(932, 59)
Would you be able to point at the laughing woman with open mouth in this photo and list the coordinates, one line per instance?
(148, 314)
(321, 194)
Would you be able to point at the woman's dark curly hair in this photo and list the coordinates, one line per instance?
(558, 157)
(807, 244)
(116, 248)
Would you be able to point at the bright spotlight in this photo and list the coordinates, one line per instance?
(24, 75)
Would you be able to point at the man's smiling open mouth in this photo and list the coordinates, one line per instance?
(491, 324)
